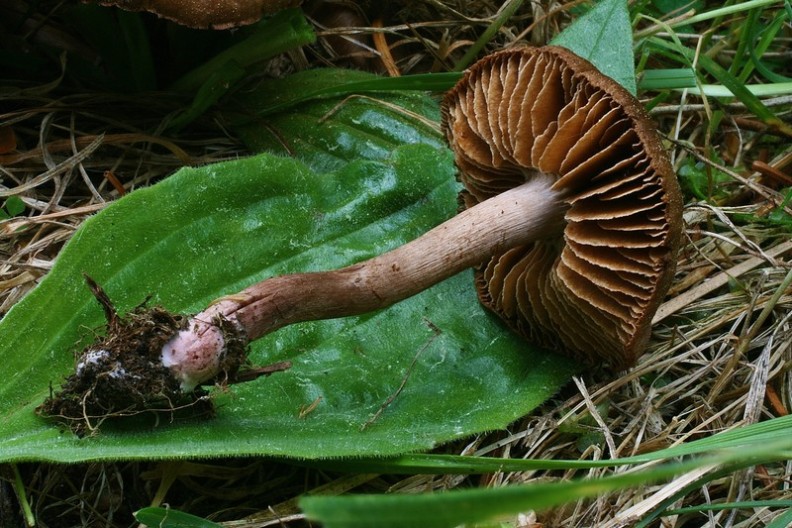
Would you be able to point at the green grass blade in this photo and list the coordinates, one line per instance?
(667, 79)
(21, 496)
(505, 14)
(452, 508)
(767, 36)
(738, 7)
(217, 85)
(772, 432)
(741, 65)
(122, 42)
(782, 521)
(758, 90)
(141, 61)
(730, 82)
(286, 30)
(168, 518)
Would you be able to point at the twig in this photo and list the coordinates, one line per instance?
(104, 300)
(381, 43)
(63, 166)
(11, 226)
(596, 415)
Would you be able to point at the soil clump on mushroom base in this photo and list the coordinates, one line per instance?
(122, 374)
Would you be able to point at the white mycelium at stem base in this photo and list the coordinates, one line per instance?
(195, 354)
(516, 217)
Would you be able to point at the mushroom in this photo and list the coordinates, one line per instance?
(573, 217)
(592, 290)
(203, 14)
(572, 207)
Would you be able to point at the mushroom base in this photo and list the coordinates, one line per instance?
(122, 373)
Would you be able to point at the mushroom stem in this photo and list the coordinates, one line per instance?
(515, 217)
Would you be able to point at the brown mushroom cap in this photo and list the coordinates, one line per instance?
(222, 14)
(592, 290)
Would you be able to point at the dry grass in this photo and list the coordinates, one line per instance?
(722, 346)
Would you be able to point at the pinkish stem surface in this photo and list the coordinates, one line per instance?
(515, 217)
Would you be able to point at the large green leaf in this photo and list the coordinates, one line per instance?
(604, 37)
(210, 231)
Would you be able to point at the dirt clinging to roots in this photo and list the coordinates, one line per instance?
(121, 374)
